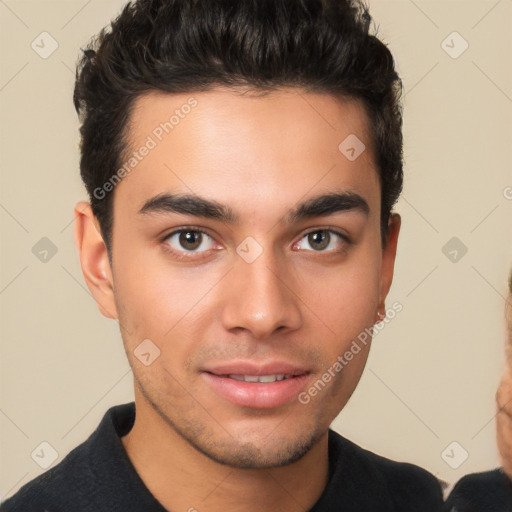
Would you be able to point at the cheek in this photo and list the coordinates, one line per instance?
(345, 299)
(150, 299)
(169, 306)
(149, 289)
(145, 300)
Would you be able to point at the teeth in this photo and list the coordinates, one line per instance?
(259, 378)
(268, 378)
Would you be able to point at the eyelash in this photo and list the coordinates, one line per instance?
(190, 255)
(182, 255)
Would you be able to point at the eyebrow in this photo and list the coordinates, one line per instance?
(328, 204)
(191, 204)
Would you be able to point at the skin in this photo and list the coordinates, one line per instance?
(504, 399)
(261, 155)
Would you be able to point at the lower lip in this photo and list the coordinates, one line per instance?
(258, 395)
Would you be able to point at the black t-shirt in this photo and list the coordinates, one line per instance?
(97, 476)
(481, 492)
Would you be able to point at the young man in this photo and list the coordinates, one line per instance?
(492, 490)
(242, 160)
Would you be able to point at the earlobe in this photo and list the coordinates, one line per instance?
(389, 255)
(94, 259)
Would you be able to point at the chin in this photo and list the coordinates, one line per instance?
(257, 455)
(247, 443)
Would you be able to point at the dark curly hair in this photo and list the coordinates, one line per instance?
(195, 45)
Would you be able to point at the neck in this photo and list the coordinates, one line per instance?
(182, 478)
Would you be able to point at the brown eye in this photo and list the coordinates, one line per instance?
(319, 240)
(189, 240)
(323, 240)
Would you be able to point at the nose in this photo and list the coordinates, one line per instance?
(259, 298)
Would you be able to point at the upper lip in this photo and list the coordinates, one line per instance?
(254, 368)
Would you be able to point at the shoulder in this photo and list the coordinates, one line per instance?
(75, 479)
(491, 490)
(402, 474)
(409, 487)
(66, 478)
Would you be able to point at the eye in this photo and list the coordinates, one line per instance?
(323, 240)
(189, 240)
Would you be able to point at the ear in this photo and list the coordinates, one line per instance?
(388, 256)
(94, 259)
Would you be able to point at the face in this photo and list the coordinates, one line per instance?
(504, 400)
(247, 248)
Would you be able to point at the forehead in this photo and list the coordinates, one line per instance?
(248, 148)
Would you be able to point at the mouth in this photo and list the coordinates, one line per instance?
(262, 379)
(256, 387)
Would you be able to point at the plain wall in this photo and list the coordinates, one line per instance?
(432, 372)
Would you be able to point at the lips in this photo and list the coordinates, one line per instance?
(260, 386)
(256, 369)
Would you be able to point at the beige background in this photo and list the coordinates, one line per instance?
(432, 373)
